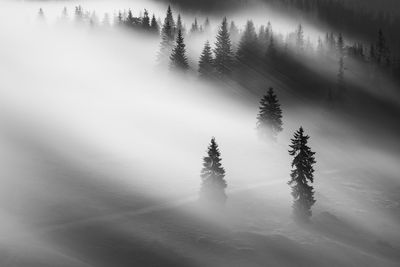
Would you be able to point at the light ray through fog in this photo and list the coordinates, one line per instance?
(95, 136)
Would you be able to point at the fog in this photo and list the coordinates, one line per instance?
(102, 151)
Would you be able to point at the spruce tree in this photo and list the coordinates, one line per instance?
(269, 119)
(301, 175)
(340, 76)
(247, 50)
(146, 20)
(206, 62)
(223, 51)
(195, 27)
(179, 25)
(178, 57)
(170, 19)
(154, 27)
(213, 184)
(166, 45)
(300, 38)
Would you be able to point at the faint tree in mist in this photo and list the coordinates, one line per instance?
(341, 54)
(301, 176)
(179, 25)
(300, 38)
(247, 50)
(146, 20)
(154, 27)
(269, 119)
(224, 58)
(40, 15)
(178, 57)
(213, 184)
(206, 62)
(195, 27)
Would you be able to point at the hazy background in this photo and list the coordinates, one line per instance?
(101, 155)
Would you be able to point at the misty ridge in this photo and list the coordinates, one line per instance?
(166, 134)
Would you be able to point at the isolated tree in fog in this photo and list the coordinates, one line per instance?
(206, 62)
(269, 119)
(213, 184)
(223, 51)
(41, 14)
(302, 174)
(178, 57)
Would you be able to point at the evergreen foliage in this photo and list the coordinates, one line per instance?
(301, 175)
(206, 62)
(213, 184)
(223, 51)
(269, 119)
(178, 57)
(247, 50)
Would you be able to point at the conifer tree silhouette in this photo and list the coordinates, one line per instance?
(178, 57)
(223, 51)
(212, 175)
(206, 62)
(167, 38)
(301, 175)
(247, 50)
(269, 119)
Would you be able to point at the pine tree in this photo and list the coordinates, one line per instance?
(212, 175)
(170, 19)
(178, 57)
(146, 20)
(247, 50)
(41, 14)
(195, 27)
(223, 51)
(340, 76)
(207, 25)
(272, 52)
(269, 119)
(301, 176)
(300, 38)
(154, 27)
(167, 41)
(206, 62)
(179, 25)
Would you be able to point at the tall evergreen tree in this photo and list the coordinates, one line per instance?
(206, 62)
(301, 175)
(167, 42)
(213, 184)
(269, 119)
(340, 76)
(207, 25)
(195, 26)
(247, 52)
(40, 15)
(178, 57)
(170, 19)
(154, 27)
(300, 38)
(179, 25)
(223, 51)
(146, 20)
